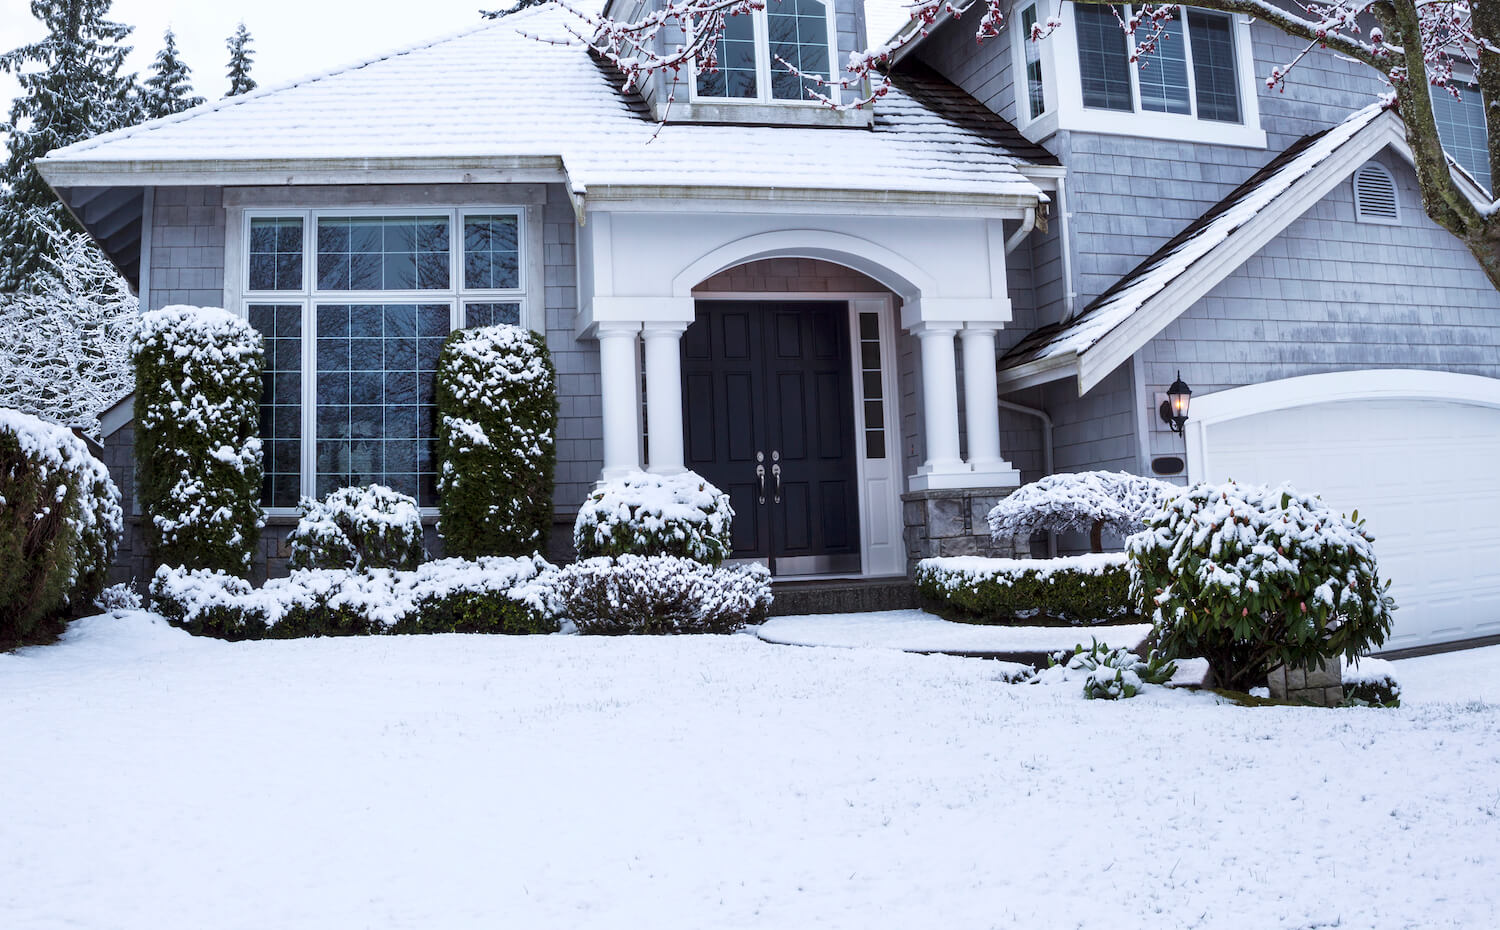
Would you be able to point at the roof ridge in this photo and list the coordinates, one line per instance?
(222, 103)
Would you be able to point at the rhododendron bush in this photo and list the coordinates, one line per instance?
(1252, 577)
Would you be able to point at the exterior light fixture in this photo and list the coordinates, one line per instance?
(1174, 410)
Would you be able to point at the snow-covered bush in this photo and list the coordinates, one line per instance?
(1079, 590)
(197, 416)
(1371, 683)
(1251, 577)
(1083, 502)
(644, 514)
(118, 597)
(65, 340)
(364, 527)
(497, 419)
(60, 523)
(489, 595)
(659, 594)
(1110, 674)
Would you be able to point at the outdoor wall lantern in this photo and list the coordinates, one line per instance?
(1174, 410)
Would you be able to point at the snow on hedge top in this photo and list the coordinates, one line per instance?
(1132, 292)
(1074, 501)
(645, 513)
(490, 93)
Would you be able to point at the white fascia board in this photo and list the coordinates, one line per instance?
(397, 170)
(772, 200)
(1041, 371)
(1112, 349)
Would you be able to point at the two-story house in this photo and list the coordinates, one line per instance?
(901, 311)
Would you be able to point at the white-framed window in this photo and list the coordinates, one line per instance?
(354, 306)
(800, 32)
(1460, 124)
(1198, 86)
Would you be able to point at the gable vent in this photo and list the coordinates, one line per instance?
(1375, 195)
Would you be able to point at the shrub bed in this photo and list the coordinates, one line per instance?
(1251, 577)
(357, 528)
(1075, 591)
(643, 514)
(659, 595)
(61, 523)
(491, 595)
(497, 419)
(197, 445)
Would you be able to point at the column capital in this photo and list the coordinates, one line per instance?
(664, 328)
(976, 327)
(934, 328)
(604, 328)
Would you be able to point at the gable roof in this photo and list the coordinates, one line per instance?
(494, 100)
(1139, 305)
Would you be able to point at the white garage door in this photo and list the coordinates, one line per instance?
(1425, 475)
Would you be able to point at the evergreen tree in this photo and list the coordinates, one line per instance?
(240, 59)
(169, 89)
(77, 91)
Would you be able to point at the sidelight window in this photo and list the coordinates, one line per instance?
(353, 326)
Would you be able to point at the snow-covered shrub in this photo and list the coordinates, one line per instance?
(60, 523)
(1077, 590)
(644, 514)
(364, 527)
(197, 415)
(497, 419)
(489, 595)
(1251, 577)
(1088, 501)
(659, 594)
(1371, 683)
(65, 339)
(1110, 674)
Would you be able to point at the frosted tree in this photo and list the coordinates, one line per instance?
(65, 340)
(73, 86)
(240, 59)
(169, 89)
(1080, 502)
(1414, 45)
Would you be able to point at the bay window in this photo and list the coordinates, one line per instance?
(1163, 82)
(752, 47)
(354, 308)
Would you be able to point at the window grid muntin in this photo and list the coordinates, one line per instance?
(273, 253)
(1162, 82)
(764, 67)
(280, 326)
(309, 297)
(736, 76)
(388, 252)
(797, 32)
(871, 384)
(491, 313)
(1461, 127)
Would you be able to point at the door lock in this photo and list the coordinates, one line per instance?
(776, 471)
(760, 473)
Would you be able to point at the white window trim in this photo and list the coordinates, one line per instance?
(1019, 42)
(1062, 88)
(238, 296)
(764, 66)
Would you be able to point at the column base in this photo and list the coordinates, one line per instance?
(953, 522)
(934, 478)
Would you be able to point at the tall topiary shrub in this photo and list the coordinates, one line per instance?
(59, 524)
(1251, 578)
(496, 423)
(198, 458)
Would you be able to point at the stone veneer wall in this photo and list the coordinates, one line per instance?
(951, 523)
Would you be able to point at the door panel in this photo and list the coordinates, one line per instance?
(777, 380)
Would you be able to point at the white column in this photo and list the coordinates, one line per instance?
(664, 396)
(619, 388)
(981, 413)
(939, 406)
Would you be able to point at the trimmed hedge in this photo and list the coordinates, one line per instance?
(1371, 683)
(491, 595)
(660, 594)
(197, 444)
(496, 428)
(1074, 591)
(356, 528)
(60, 525)
(644, 514)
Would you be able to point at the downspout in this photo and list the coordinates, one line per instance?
(1069, 296)
(1028, 223)
(1046, 450)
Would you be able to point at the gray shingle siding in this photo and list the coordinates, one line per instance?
(187, 247)
(1330, 294)
(580, 427)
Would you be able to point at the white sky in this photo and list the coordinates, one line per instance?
(290, 38)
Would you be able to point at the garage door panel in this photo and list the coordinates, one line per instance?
(1423, 474)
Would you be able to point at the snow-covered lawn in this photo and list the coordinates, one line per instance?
(150, 780)
(920, 631)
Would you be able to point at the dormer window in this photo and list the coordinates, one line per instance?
(798, 32)
(1166, 83)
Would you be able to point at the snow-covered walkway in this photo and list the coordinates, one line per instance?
(920, 631)
(153, 780)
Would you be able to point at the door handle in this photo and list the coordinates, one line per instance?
(760, 473)
(776, 471)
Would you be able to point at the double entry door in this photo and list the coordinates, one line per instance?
(769, 415)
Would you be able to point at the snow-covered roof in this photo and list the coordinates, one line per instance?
(494, 96)
(1201, 242)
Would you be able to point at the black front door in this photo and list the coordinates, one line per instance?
(770, 421)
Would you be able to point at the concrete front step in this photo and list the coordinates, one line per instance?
(851, 595)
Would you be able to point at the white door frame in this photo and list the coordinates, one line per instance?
(1310, 390)
(877, 495)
